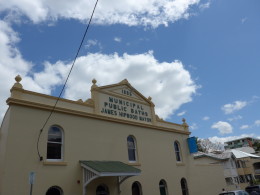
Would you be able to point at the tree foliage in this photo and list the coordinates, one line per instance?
(205, 145)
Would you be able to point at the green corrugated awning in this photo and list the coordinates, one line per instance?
(110, 168)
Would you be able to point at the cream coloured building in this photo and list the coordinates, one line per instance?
(112, 143)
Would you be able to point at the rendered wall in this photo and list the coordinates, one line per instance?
(92, 139)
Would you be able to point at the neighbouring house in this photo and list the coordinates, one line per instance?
(240, 169)
(112, 143)
(241, 142)
(247, 167)
(228, 163)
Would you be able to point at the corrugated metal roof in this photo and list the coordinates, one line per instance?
(247, 149)
(110, 167)
(226, 155)
(241, 154)
(210, 155)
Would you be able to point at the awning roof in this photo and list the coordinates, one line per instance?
(110, 168)
(241, 154)
(97, 169)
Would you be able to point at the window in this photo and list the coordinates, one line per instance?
(54, 190)
(102, 190)
(243, 164)
(238, 164)
(131, 144)
(241, 178)
(236, 180)
(184, 187)
(136, 188)
(55, 143)
(229, 180)
(163, 187)
(177, 151)
(249, 177)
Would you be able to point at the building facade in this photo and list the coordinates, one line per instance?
(240, 169)
(241, 142)
(112, 143)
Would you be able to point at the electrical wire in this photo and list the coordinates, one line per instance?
(64, 85)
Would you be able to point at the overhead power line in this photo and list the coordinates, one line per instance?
(65, 83)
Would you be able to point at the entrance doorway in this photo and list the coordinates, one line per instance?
(55, 190)
(136, 188)
(102, 190)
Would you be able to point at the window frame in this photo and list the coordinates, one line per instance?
(103, 186)
(185, 190)
(163, 185)
(139, 187)
(177, 151)
(134, 149)
(60, 143)
(55, 187)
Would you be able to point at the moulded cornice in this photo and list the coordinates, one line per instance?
(86, 103)
(13, 101)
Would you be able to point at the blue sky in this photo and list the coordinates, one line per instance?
(198, 60)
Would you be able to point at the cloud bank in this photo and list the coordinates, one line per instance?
(168, 83)
(144, 12)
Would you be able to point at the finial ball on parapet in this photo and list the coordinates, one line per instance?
(94, 81)
(18, 78)
(184, 124)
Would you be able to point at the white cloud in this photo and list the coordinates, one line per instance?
(243, 20)
(117, 39)
(244, 127)
(205, 118)
(181, 113)
(145, 12)
(204, 5)
(93, 43)
(257, 123)
(12, 64)
(229, 138)
(193, 126)
(231, 108)
(222, 127)
(238, 117)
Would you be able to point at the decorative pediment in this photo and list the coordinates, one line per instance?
(122, 101)
(123, 89)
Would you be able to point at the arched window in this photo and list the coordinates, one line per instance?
(136, 188)
(131, 144)
(102, 190)
(54, 190)
(177, 151)
(184, 187)
(163, 187)
(55, 143)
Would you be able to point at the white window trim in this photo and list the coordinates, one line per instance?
(135, 150)
(61, 143)
(177, 152)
